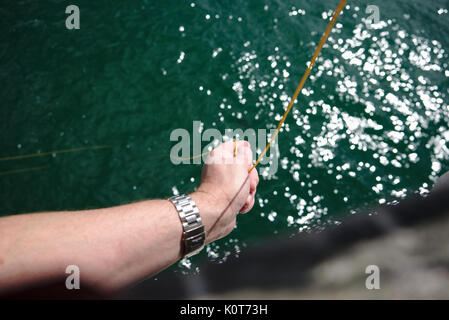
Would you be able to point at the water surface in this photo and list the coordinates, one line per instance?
(370, 127)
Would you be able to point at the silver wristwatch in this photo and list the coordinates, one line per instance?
(194, 236)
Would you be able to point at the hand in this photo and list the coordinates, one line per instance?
(226, 188)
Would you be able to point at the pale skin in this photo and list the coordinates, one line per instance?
(118, 246)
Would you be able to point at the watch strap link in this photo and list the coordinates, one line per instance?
(194, 236)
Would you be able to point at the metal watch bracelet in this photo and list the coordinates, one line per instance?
(193, 236)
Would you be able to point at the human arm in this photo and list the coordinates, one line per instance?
(115, 247)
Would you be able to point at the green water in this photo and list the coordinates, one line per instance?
(371, 126)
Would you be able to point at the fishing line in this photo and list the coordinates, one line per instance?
(303, 80)
(297, 91)
(300, 86)
(3, 173)
(281, 122)
(41, 154)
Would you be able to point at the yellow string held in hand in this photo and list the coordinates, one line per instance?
(304, 78)
(235, 148)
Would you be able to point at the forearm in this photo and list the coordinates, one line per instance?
(115, 247)
(112, 247)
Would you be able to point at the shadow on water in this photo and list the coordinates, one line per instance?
(286, 262)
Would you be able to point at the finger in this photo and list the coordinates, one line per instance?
(245, 207)
(248, 204)
(253, 180)
(244, 152)
(224, 153)
(234, 151)
(225, 148)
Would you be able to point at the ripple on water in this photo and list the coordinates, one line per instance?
(373, 110)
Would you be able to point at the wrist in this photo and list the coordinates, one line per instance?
(210, 208)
